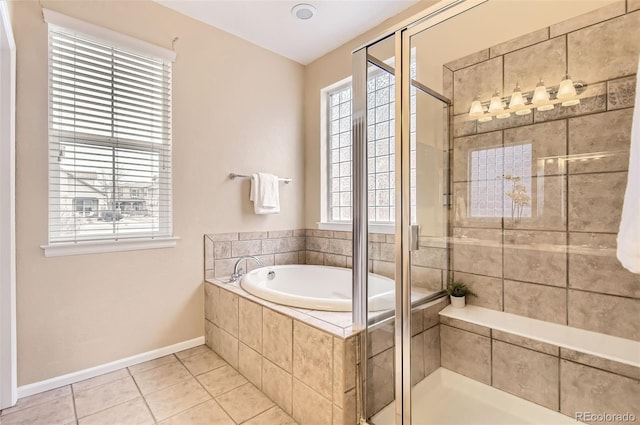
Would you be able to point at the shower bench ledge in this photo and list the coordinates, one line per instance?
(609, 347)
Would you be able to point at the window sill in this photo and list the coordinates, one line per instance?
(96, 247)
(385, 229)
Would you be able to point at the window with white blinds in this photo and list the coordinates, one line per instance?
(109, 141)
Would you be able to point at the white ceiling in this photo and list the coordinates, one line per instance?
(269, 23)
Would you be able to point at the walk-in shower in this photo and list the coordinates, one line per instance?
(507, 128)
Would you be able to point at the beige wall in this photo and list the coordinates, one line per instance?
(236, 107)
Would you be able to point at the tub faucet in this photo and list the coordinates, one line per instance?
(237, 270)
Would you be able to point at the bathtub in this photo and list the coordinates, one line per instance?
(316, 287)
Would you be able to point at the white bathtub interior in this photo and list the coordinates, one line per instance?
(319, 287)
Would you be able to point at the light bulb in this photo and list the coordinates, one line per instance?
(517, 101)
(567, 92)
(540, 97)
(476, 109)
(540, 94)
(496, 103)
(566, 89)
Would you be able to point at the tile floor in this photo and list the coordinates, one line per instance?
(192, 387)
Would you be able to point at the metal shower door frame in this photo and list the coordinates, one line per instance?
(432, 16)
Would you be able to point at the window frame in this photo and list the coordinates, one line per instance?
(119, 242)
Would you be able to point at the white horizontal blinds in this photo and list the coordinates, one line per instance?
(109, 141)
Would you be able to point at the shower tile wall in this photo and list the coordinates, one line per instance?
(332, 248)
(557, 263)
(222, 250)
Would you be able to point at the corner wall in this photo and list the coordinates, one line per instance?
(236, 108)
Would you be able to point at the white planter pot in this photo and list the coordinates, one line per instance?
(457, 302)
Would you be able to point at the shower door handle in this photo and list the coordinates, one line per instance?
(414, 237)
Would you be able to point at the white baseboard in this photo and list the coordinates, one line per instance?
(81, 375)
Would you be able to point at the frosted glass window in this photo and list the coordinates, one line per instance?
(380, 145)
(500, 181)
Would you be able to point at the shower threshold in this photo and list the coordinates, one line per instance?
(448, 398)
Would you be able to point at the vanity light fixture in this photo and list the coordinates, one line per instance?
(542, 98)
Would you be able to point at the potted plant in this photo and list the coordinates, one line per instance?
(458, 291)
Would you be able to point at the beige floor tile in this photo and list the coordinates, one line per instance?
(177, 398)
(37, 399)
(161, 377)
(274, 416)
(54, 412)
(134, 412)
(203, 362)
(152, 364)
(221, 380)
(244, 402)
(193, 351)
(100, 380)
(207, 413)
(105, 396)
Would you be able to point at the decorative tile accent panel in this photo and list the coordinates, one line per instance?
(621, 93)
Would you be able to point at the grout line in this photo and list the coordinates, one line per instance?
(144, 400)
(73, 399)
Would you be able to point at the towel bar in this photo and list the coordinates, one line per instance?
(233, 176)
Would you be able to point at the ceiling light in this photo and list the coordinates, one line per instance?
(303, 11)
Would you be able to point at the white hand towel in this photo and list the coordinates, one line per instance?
(265, 193)
(629, 234)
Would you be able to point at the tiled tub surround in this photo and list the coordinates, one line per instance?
(558, 378)
(558, 264)
(322, 247)
(227, 304)
(304, 360)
